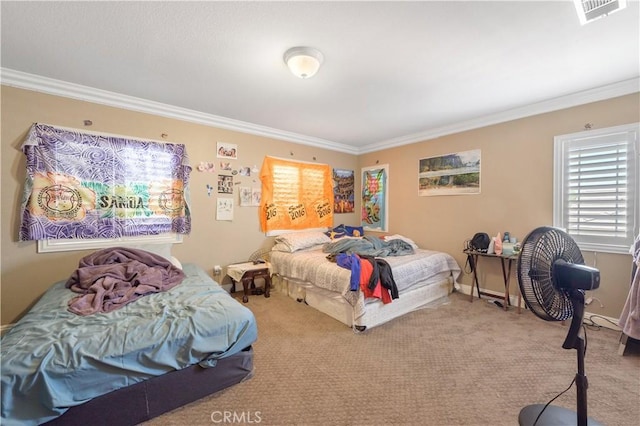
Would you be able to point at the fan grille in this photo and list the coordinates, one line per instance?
(540, 249)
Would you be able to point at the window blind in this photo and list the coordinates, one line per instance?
(597, 188)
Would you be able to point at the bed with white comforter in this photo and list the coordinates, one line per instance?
(305, 272)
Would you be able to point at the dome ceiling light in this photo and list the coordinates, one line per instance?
(303, 62)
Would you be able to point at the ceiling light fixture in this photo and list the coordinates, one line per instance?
(303, 62)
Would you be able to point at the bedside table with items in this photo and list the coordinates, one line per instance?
(247, 273)
(506, 261)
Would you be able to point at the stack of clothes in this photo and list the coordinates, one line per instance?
(369, 272)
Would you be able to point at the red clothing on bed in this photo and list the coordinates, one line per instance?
(379, 292)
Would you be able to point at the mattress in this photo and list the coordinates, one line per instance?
(310, 276)
(53, 359)
(374, 311)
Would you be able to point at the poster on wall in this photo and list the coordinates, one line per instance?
(224, 209)
(451, 174)
(343, 191)
(375, 198)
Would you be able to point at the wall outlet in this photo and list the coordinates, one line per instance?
(217, 270)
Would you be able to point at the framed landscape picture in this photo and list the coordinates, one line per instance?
(450, 174)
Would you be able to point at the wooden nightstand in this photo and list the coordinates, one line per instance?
(247, 273)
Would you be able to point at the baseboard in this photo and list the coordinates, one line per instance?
(513, 299)
(590, 318)
(5, 328)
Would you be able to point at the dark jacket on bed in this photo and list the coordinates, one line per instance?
(381, 273)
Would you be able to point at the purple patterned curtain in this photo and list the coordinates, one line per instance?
(84, 185)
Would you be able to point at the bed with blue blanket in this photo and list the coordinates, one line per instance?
(124, 365)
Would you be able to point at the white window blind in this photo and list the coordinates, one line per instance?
(596, 187)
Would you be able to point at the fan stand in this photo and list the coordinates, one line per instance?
(560, 416)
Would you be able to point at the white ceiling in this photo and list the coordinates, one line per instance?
(393, 73)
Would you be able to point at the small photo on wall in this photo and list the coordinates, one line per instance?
(245, 196)
(256, 196)
(250, 196)
(225, 184)
(227, 150)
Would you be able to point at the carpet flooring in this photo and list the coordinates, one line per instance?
(460, 363)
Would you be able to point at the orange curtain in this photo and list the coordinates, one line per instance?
(295, 195)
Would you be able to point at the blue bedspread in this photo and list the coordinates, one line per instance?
(53, 359)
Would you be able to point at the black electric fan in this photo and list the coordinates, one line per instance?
(552, 279)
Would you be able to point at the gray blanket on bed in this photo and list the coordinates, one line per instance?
(111, 278)
(369, 246)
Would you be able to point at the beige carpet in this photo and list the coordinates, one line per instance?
(459, 364)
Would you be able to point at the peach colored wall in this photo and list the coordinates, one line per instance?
(516, 191)
(517, 174)
(26, 274)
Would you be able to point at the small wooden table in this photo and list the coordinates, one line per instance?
(506, 262)
(246, 273)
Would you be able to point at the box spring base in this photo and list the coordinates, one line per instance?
(375, 312)
(145, 400)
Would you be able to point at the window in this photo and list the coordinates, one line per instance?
(596, 183)
(295, 196)
(52, 245)
(90, 190)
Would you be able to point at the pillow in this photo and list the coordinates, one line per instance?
(176, 262)
(299, 240)
(355, 231)
(280, 247)
(400, 237)
(345, 231)
(163, 250)
(337, 232)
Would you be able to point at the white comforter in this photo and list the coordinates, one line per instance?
(422, 268)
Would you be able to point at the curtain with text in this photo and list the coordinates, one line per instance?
(295, 195)
(87, 185)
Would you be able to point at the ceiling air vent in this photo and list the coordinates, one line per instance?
(590, 10)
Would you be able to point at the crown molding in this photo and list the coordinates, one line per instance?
(614, 90)
(65, 89)
(51, 86)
